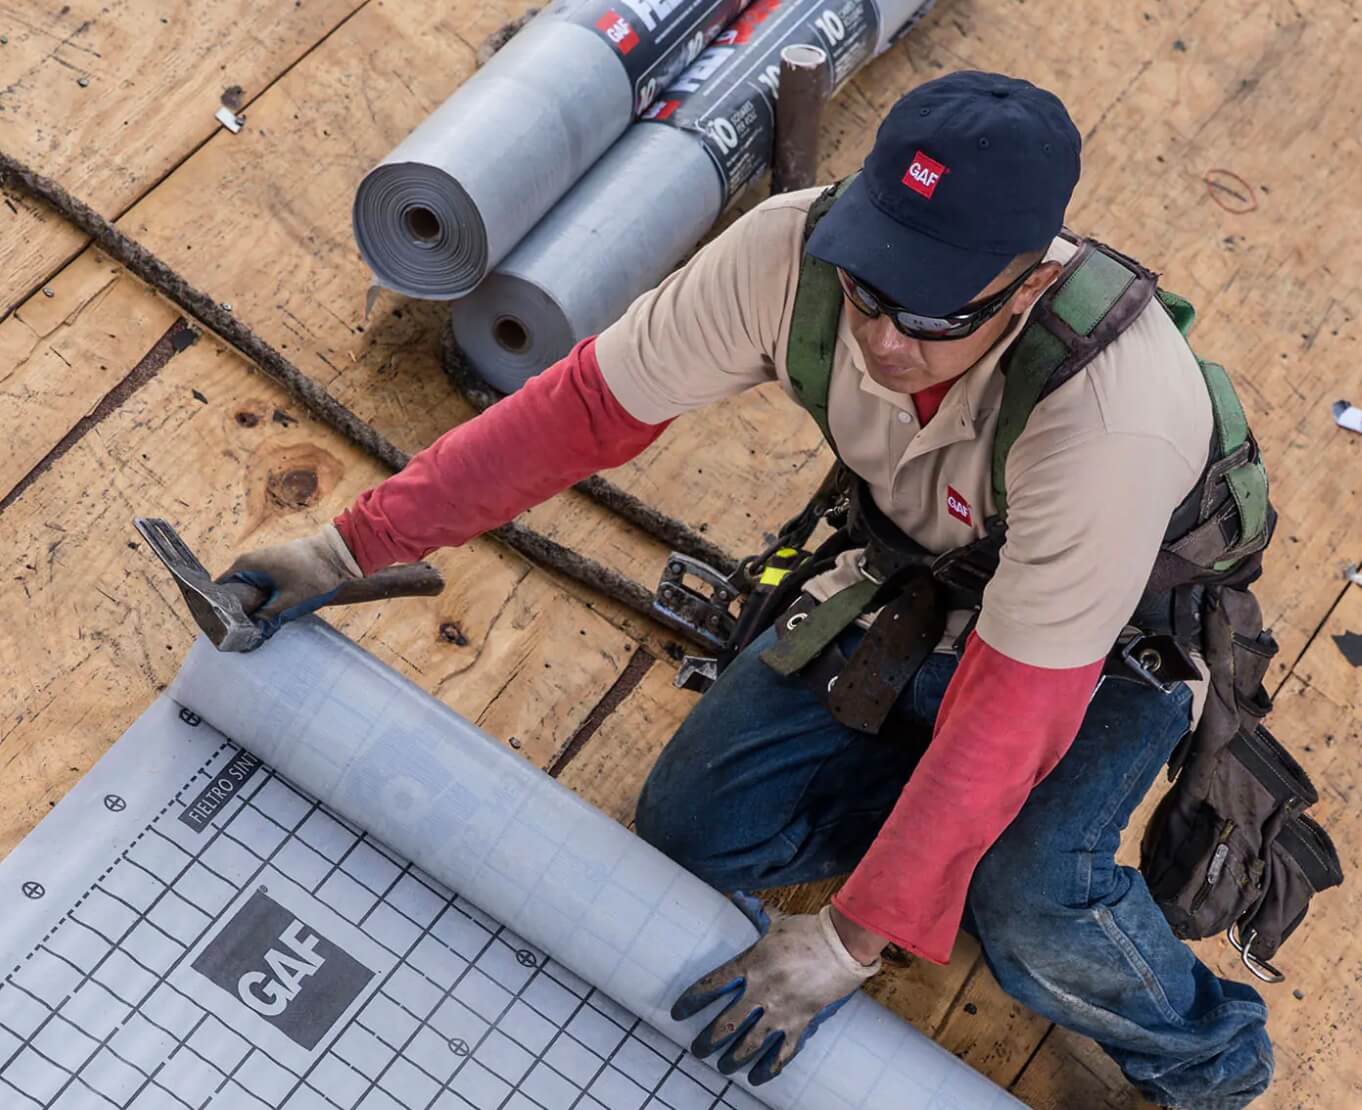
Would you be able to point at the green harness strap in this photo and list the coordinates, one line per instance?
(809, 639)
(813, 325)
(1055, 344)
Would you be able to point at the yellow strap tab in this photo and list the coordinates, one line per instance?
(773, 576)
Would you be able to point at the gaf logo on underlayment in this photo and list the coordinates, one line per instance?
(283, 969)
(617, 29)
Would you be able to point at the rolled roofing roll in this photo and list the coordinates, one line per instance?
(462, 189)
(662, 186)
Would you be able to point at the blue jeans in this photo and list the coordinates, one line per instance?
(761, 787)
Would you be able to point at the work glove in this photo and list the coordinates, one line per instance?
(301, 576)
(779, 991)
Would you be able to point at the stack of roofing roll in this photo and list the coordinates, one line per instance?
(467, 185)
(658, 190)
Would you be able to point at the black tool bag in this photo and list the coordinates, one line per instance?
(1229, 848)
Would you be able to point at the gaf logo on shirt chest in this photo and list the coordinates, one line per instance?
(923, 174)
(283, 970)
(958, 507)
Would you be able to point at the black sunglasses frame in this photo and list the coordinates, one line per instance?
(932, 329)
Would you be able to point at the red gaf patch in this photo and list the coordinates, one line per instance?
(617, 29)
(923, 174)
(958, 507)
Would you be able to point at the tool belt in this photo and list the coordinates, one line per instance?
(914, 592)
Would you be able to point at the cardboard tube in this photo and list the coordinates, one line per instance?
(799, 107)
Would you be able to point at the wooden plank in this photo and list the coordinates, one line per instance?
(61, 355)
(95, 627)
(1069, 1071)
(107, 96)
(609, 771)
(990, 1031)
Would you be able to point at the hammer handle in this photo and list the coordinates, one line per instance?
(407, 580)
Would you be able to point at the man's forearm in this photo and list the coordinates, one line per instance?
(560, 427)
(1002, 728)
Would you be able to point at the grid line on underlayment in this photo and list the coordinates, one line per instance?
(556, 1041)
(118, 944)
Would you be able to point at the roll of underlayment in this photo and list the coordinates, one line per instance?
(462, 189)
(381, 753)
(662, 186)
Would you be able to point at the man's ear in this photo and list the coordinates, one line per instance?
(1036, 284)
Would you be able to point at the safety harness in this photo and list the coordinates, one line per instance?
(1215, 538)
(1230, 848)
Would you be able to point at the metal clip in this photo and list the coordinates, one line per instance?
(705, 616)
(1149, 656)
(1260, 968)
(697, 673)
(864, 567)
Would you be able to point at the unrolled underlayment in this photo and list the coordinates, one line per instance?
(369, 903)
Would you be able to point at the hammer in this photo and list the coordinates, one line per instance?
(220, 608)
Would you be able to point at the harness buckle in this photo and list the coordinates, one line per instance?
(704, 611)
(863, 566)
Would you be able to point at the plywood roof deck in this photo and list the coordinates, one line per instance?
(1222, 147)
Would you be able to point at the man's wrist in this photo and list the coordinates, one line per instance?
(863, 944)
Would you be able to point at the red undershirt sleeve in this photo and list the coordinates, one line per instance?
(560, 427)
(1003, 727)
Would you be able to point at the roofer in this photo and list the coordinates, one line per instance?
(1008, 819)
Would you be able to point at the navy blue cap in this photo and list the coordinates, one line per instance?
(967, 172)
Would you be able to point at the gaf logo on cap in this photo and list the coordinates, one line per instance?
(923, 174)
(283, 969)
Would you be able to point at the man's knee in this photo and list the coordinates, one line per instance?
(1026, 893)
(666, 819)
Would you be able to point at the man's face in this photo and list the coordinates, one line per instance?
(905, 365)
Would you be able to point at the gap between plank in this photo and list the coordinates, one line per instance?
(639, 665)
(1034, 1053)
(176, 338)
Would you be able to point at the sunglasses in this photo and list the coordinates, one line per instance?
(956, 325)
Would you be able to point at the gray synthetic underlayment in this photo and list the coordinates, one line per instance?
(461, 190)
(661, 187)
(372, 903)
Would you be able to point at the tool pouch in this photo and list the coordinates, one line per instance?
(1229, 848)
(1302, 862)
(1205, 857)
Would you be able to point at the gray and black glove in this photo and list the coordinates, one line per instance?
(778, 992)
(301, 576)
